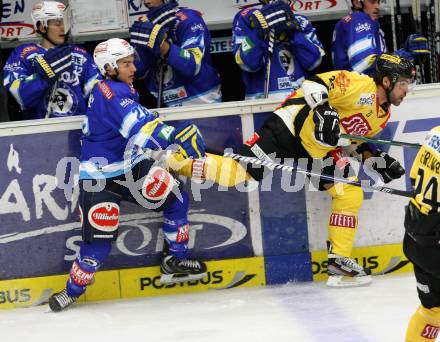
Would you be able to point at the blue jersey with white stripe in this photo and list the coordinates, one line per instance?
(189, 77)
(116, 130)
(295, 53)
(37, 97)
(357, 40)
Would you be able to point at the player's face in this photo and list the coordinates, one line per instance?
(372, 8)
(403, 86)
(153, 3)
(126, 69)
(55, 31)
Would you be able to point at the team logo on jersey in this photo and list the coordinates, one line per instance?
(104, 216)
(63, 102)
(356, 124)
(286, 61)
(366, 99)
(157, 184)
(342, 82)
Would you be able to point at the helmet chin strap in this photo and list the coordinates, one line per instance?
(388, 92)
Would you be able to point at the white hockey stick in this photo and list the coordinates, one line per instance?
(273, 165)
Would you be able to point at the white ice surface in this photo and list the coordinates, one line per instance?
(300, 312)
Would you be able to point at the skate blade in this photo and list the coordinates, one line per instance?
(344, 281)
(166, 279)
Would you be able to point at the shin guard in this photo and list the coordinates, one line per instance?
(175, 227)
(91, 256)
(346, 202)
(424, 325)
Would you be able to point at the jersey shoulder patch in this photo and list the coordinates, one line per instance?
(347, 18)
(28, 50)
(105, 90)
(80, 50)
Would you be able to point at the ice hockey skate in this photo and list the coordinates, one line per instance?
(344, 271)
(61, 301)
(176, 270)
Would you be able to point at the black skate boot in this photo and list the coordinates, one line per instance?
(60, 301)
(176, 270)
(344, 271)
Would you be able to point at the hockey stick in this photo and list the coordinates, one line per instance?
(399, 25)
(416, 21)
(381, 141)
(393, 25)
(273, 165)
(437, 35)
(160, 67)
(269, 63)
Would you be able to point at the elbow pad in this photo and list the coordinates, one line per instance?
(315, 94)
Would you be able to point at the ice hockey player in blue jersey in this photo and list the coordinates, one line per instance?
(173, 45)
(115, 167)
(296, 48)
(358, 40)
(51, 79)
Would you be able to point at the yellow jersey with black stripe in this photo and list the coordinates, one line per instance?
(354, 96)
(425, 174)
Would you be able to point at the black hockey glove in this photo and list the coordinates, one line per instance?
(189, 139)
(164, 15)
(54, 62)
(277, 16)
(148, 35)
(389, 168)
(326, 121)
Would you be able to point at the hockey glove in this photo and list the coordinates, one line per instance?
(189, 139)
(54, 62)
(389, 168)
(164, 15)
(277, 16)
(326, 121)
(148, 35)
(417, 45)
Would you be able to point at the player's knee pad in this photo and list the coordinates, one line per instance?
(346, 198)
(424, 325)
(159, 188)
(99, 214)
(90, 258)
(175, 226)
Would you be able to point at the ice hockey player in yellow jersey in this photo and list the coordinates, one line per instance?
(421, 243)
(307, 126)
